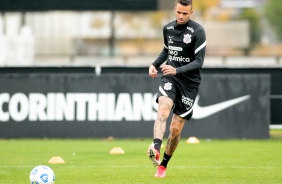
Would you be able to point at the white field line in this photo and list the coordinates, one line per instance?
(275, 126)
(139, 166)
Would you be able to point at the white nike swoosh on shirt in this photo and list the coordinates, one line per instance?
(203, 112)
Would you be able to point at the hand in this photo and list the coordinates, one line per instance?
(168, 70)
(153, 72)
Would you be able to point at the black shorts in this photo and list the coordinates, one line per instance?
(183, 96)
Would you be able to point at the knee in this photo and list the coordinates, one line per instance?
(162, 117)
(176, 125)
(163, 111)
(165, 104)
(174, 130)
(164, 107)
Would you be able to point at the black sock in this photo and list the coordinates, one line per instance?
(157, 144)
(165, 160)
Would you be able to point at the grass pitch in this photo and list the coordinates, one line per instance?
(87, 161)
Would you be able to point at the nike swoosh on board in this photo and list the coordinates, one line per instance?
(203, 112)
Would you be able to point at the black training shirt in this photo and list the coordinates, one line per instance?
(184, 49)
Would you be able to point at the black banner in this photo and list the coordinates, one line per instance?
(243, 106)
(123, 105)
(82, 5)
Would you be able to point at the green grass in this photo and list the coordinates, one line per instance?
(88, 161)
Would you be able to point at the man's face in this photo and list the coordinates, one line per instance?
(183, 13)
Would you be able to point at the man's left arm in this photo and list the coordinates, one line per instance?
(199, 50)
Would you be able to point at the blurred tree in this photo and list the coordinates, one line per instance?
(272, 11)
(253, 17)
(203, 5)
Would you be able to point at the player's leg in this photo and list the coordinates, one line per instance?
(176, 126)
(182, 111)
(164, 108)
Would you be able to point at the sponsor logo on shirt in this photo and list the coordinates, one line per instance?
(170, 39)
(190, 29)
(175, 48)
(170, 27)
(174, 56)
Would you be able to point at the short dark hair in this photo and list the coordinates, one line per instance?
(185, 2)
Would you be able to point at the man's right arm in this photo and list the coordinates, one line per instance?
(164, 53)
(161, 58)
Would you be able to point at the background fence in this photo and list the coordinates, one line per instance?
(78, 103)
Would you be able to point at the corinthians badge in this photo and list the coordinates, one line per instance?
(187, 38)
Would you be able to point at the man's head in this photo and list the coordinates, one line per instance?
(183, 11)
